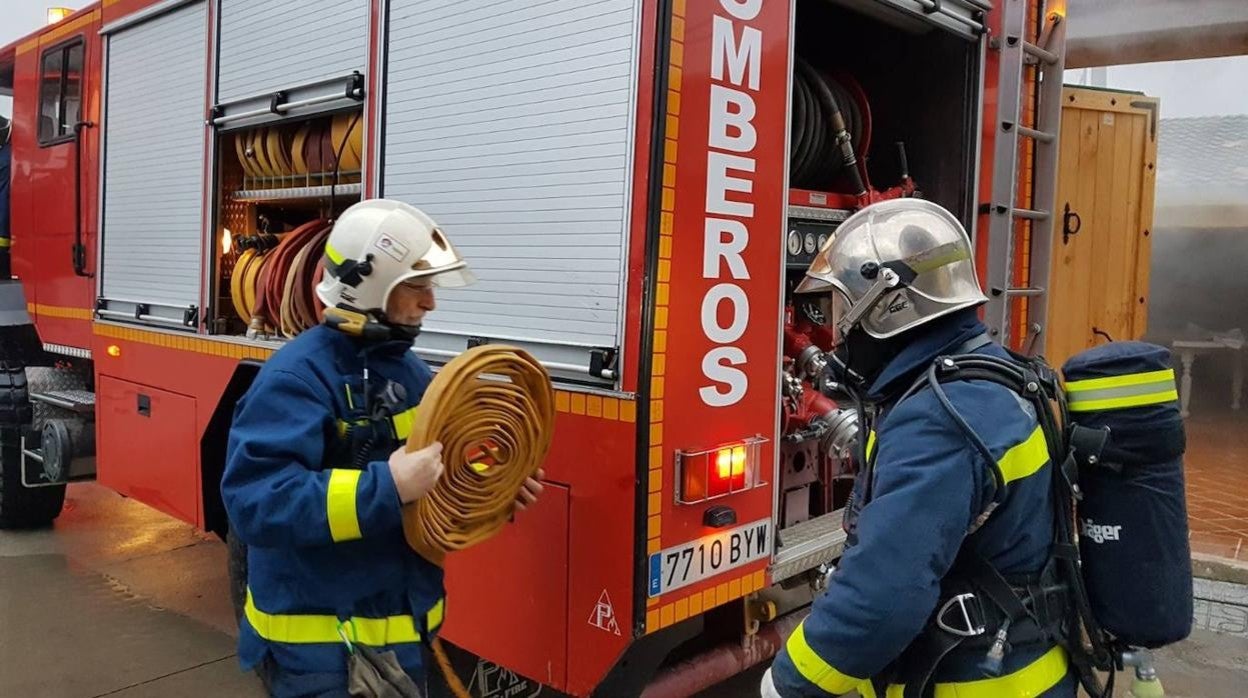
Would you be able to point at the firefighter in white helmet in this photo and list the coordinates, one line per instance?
(316, 471)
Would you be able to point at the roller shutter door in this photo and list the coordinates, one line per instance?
(154, 163)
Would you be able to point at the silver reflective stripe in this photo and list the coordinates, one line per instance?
(1122, 392)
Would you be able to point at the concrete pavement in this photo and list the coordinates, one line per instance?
(117, 599)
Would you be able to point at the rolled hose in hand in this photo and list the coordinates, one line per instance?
(495, 432)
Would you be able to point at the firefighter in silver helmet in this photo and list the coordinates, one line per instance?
(317, 473)
(931, 521)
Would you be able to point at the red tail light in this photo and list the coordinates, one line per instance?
(717, 472)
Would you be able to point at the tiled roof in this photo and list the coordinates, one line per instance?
(1203, 160)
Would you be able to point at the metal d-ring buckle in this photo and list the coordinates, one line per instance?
(971, 627)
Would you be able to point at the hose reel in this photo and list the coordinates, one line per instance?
(831, 125)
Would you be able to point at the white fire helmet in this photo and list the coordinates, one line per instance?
(893, 266)
(378, 244)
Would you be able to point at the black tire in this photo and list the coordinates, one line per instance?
(237, 553)
(20, 506)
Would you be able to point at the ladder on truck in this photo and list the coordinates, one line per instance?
(1018, 53)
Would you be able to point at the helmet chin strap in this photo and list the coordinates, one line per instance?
(886, 279)
(364, 326)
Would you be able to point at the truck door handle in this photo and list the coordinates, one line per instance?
(145, 405)
(1071, 223)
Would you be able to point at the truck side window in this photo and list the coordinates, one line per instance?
(60, 92)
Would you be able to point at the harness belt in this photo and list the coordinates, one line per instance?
(981, 612)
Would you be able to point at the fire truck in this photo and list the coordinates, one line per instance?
(638, 184)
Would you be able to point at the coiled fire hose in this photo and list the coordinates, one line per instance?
(493, 410)
(827, 129)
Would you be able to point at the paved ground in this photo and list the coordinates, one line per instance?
(119, 600)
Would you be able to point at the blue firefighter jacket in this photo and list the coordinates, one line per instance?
(307, 487)
(930, 485)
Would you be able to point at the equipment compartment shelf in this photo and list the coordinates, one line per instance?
(297, 193)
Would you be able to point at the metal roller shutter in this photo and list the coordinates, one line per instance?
(511, 124)
(272, 45)
(154, 164)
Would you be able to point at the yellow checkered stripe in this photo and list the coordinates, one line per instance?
(662, 298)
(1122, 392)
(59, 311)
(662, 616)
(301, 628)
(609, 408)
(181, 342)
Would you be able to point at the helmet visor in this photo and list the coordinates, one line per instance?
(443, 264)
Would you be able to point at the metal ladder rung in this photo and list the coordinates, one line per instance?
(1031, 215)
(1042, 136)
(1035, 51)
(1024, 292)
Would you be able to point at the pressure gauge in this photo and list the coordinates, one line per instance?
(795, 242)
(823, 240)
(810, 243)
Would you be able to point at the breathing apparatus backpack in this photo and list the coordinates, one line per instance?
(1120, 550)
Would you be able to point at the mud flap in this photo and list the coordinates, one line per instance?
(19, 340)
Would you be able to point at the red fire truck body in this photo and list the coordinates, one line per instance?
(621, 176)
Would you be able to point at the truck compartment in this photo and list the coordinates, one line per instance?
(278, 186)
(904, 92)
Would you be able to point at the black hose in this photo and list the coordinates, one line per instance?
(827, 128)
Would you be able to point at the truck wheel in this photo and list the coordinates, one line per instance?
(20, 506)
(237, 551)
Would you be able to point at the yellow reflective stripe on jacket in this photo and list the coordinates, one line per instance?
(435, 616)
(344, 525)
(870, 444)
(1122, 392)
(404, 421)
(1025, 458)
(812, 667)
(310, 628)
(1028, 682)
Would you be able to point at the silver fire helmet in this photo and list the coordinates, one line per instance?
(895, 265)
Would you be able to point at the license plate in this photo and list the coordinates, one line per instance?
(688, 563)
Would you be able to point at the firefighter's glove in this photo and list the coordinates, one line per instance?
(374, 674)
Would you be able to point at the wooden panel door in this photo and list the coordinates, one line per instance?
(1098, 282)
